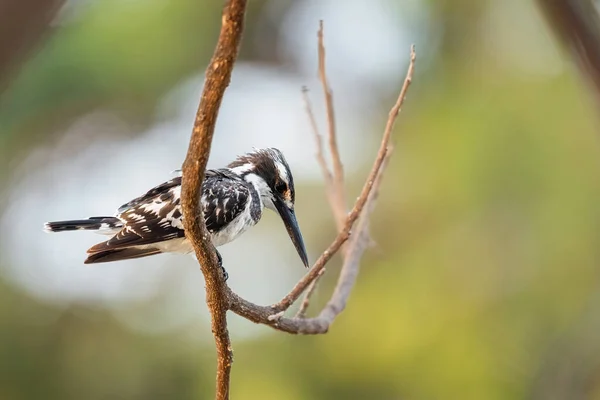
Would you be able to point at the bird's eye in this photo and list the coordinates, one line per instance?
(281, 187)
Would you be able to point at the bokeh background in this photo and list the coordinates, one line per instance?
(483, 282)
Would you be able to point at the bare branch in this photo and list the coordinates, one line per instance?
(356, 248)
(330, 189)
(309, 292)
(218, 75)
(219, 297)
(273, 315)
(285, 303)
(334, 184)
(351, 261)
(339, 210)
(346, 281)
(319, 145)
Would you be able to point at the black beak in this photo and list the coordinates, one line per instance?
(291, 224)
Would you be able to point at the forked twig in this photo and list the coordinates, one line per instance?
(291, 297)
(272, 315)
(218, 75)
(309, 292)
(337, 303)
(330, 188)
(334, 182)
(339, 211)
(319, 155)
(219, 297)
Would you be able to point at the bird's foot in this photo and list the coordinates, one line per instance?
(224, 271)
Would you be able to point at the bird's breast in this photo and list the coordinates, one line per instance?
(246, 219)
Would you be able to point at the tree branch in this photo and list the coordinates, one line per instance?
(309, 292)
(330, 188)
(337, 303)
(218, 75)
(334, 182)
(273, 315)
(219, 297)
(285, 303)
(339, 199)
(320, 155)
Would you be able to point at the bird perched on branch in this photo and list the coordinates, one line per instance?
(233, 199)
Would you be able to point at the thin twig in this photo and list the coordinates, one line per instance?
(347, 274)
(346, 281)
(309, 292)
(320, 156)
(338, 171)
(273, 315)
(291, 297)
(356, 249)
(218, 75)
(330, 189)
(219, 296)
(312, 288)
(334, 182)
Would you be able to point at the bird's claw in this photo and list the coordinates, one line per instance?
(225, 274)
(223, 270)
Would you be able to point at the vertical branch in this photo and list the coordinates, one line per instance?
(356, 248)
(274, 315)
(334, 182)
(341, 238)
(309, 292)
(339, 205)
(218, 76)
(320, 155)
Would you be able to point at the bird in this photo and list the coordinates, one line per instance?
(232, 201)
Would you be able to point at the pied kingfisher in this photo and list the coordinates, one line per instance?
(232, 201)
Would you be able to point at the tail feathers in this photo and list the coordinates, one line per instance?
(120, 254)
(109, 224)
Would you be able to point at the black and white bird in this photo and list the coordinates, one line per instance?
(233, 199)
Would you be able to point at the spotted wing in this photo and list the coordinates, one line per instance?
(151, 194)
(224, 197)
(156, 216)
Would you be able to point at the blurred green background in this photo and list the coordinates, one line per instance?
(484, 280)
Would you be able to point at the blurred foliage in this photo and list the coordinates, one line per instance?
(484, 290)
(105, 58)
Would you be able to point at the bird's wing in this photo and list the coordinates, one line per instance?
(151, 194)
(224, 197)
(156, 216)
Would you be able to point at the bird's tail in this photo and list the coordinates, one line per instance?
(108, 225)
(127, 253)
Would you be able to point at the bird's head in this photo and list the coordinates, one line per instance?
(270, 174)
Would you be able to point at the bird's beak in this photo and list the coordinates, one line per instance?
(291, 224)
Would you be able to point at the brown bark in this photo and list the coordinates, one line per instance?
(273, 315)
(219, 297)
(218, 75)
